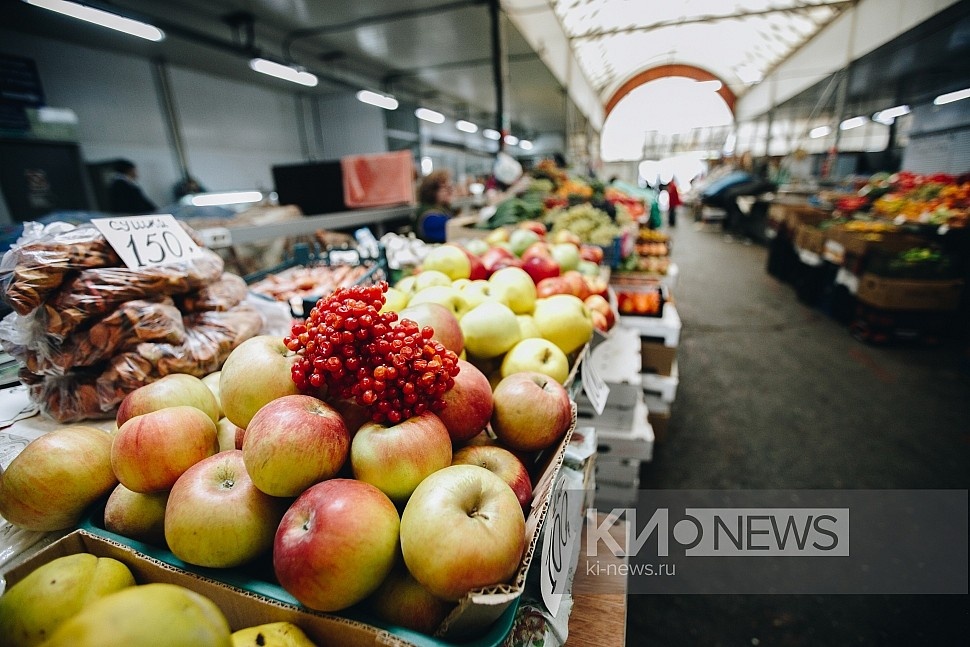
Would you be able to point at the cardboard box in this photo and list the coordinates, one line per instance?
(482, 618)
(909, 294)
(656, 358)
(809, 238)
(804, 214)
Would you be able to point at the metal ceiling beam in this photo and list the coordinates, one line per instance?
(693, 20)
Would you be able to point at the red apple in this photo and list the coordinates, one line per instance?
(531, 411)
(468, 404)
(54, 479)
(493, 256)
(136, 516)
(354, 415)
(294, 442)
(598, 303)
(461, 530)
(486, 439)
(176, 389)
(477, 270)
(593, 253)
(599, 321)
(151, 451)
(336, 544)
(402, 601)
(503, 463)
(598, 285)
(540, 248)
(577, 284)
(550, 286)
(535, 226)
(215, 516)
(256, 372)
(541, 267)
(512, 261)
(442, 319)
(395, 458)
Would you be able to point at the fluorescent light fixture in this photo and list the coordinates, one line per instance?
(950, 97)
(427, 165)
(511, 140)
(377, 99)
(889, 115)
(284, 72)
(48, 115)
(466, 126)
(103, 18)
(525, 145)
(427, 114)
(821, 131)
(490, 133)
(853, 122)
(229, 197)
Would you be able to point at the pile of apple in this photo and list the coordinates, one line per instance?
(403, 518)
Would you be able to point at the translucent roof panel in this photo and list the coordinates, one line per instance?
(738, 41)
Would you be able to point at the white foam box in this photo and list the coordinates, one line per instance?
(617, 471)
(662, 386)
(635, 441)
(665, 328)
(616, 496)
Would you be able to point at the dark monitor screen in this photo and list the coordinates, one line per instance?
(39, 177)
(315, 187)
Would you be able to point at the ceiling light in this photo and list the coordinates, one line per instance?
(427, 114)
(229, 197)
(103, 18)
(853, 122)
(466, 126)
(427, 165)
(821, 131)
(950, 97)
(284, 72)
(489, 133)
(525, 145)
(889, 115)
(377, 99)
(511, 140)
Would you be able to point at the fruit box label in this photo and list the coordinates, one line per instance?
(594, 386)
(560, 543)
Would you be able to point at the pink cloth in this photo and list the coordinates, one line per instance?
(378, 180)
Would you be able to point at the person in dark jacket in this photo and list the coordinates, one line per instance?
(124, 193)
(434, 208)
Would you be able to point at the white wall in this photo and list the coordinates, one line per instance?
(351, 127)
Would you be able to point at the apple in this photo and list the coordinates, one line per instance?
(401, 600)
(336, 544)
(503, 464)
(531, 411)
(552, 285)
(537, 355)
(534, 225)
(217, 518)
(567, 255)
(566, 236)
(516, 288)
(226, 433)
(476, 270)
(598, 303)
(599, 321)
(496, 236)
(394, 458)
(588, 269)
(477, 292)
(430, 278)
(527, 327)
(446, 296)
(468, 404)
(492, 257)
(449, 260)
(564, 320)
(212, 381)
(135, 515)
(540, 267)
(485, 438)
(395, 300)
(294, 442)
(152, 450)
(476, 246)
(175, 389)
(592, 253)
(540, 248)
(461, 530)
(240, 436)
(256, 372)
(520, 239)
(598, 285)
(53, 480)
(407, 285)
(578, 286)
(511, 261)
(354, 415)
(490, 329)
(442, 319)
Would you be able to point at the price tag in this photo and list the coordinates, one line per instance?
(560, 543)
(147, 241)
(594, 386)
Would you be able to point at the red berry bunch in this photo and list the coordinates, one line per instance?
(392, 368)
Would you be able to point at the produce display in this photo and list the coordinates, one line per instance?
(907, 197)
(651, 253)
(298, 283)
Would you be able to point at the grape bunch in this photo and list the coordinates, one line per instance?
(393, 369)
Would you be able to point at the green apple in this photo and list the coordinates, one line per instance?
(538, 356)
(566, 255)
(520, 239)
(449, 260)
(564, 320)
(515, 287)
(476, 246)
(445, 295)
(500, 235)
(407, 285)
(395, 300)
(527, 327)
(460, 284)
(477, 292)
(430, 278)
(490, 329)
(588, 268)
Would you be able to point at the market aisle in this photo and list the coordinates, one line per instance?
(776, 395)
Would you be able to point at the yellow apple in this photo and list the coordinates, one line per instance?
(515, 287)
(430, 278)
(564, 320)
(477, 292)
(445, 295)
(406, 285)
(449, 260)
(395, 300)
(538, 356)
(527, 327)
(500, 235)
(490, 329)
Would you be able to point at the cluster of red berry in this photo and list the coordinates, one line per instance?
(392, 368)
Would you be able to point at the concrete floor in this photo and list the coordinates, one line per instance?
(776, 395)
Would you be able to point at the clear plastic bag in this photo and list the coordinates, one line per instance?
(224, 294)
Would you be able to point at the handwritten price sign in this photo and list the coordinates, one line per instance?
(147, 241)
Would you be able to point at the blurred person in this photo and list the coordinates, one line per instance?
(125, 195)
(673, 201)
(434, 206)
(187, 186)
